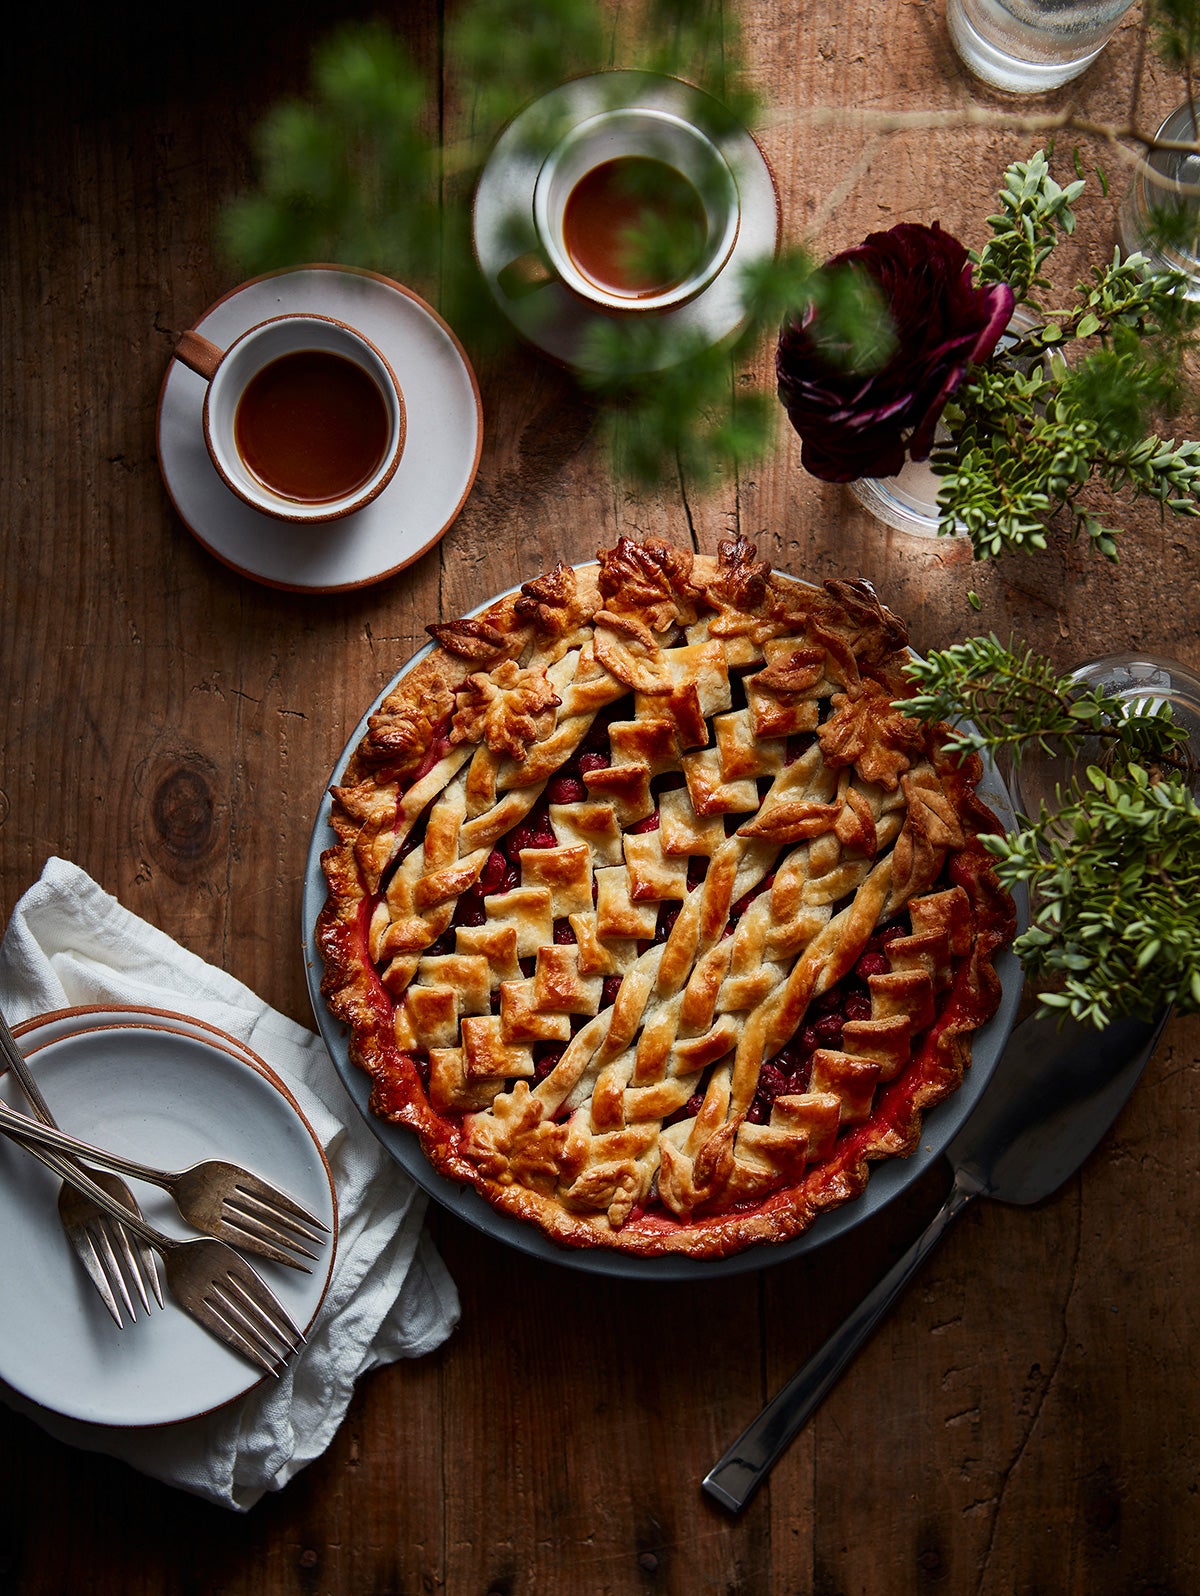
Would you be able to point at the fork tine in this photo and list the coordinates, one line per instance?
(149, 1260)
(269, 1312)
(254, 1236)
(262, 1220)
(99, 1238)
(101, 1265)
(271, 1352)
(278, 1207)
(98, 1275)
(132, 1269)
(141, 1265)
(263, 1301)
(140, 1262)
(217, 1316)
(252, 1318)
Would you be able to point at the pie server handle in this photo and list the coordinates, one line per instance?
(733, 1480)
(1033, 1128)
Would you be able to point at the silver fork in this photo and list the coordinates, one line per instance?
(219, 1198)
(108, 1251)
(208, 1280)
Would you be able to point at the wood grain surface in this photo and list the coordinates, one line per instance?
(1027, 1418)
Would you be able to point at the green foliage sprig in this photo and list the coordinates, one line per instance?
(357, 172)
(1113, 869)
(1033, 210)
(1115, 883)
(673, 403)
(1004, 699)
(1070, 397)
(1175, 25)
(352, 174)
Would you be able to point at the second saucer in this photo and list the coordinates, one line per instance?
(560, 312)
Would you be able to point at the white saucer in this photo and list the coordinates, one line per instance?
(169, 1091)
(436, 470)
(551, 317)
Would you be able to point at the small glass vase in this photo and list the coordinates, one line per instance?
(1140, 680)
(907, 501)
(1163, 189)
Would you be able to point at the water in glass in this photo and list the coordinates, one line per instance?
(1029, 46)
(1170, 187)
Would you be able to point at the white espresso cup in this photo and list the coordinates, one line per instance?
(304, 418)
(634, 209)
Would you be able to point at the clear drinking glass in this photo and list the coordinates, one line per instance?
(1143, 681)
(1029, 46)
(1164, 189)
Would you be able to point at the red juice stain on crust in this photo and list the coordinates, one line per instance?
(312, 426)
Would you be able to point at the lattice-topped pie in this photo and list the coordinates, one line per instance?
(649, 913)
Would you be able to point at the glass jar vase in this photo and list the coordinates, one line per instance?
(1142, 681)
(1031, 46)
(908, 501)
(1170, 185)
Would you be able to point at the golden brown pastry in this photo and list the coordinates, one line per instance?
(649, 914)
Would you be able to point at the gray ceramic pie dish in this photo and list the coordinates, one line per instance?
(888, 1179)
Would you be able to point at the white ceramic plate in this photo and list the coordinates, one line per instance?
(887, 1180)
(436, 470)
(168, 1091)
(502, 222)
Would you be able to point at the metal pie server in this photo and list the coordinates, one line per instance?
(1055, 1092)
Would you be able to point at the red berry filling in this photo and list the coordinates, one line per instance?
(493, 872)
(790, 1070)
(563, 789)
(651, 823)
(545, 1056)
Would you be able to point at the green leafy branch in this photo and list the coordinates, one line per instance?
(675, 405)
(350, 175)
(358, 172)
(1002, 699)
(1113, 870)
(1030, 429)
(1175, 26)
(1114, 876)
(1033, 210)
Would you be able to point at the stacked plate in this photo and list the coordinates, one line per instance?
(167, 1090)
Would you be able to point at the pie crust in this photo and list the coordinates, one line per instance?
(649, 914)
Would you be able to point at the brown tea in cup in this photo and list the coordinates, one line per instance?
(635, 226)
(304, 418)
(635, 210)
(312, 426)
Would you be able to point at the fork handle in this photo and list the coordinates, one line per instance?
(67, 1169)
(22, 1071)
(28, 1130)
(733, 1480)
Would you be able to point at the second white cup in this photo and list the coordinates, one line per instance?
(635, 209)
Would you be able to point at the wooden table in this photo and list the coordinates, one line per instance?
(1027, 1418)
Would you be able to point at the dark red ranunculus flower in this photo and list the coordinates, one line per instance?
(862, 424)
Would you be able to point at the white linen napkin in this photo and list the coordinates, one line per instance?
(69, 943)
